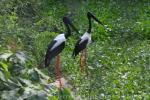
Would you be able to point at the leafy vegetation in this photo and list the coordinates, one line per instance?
(118, 63)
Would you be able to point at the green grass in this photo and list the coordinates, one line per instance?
(118, 62)
(115, 72)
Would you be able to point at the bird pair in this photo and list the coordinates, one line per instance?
(58, 43)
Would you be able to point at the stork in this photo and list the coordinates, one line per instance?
(56, 47)
(84, 41)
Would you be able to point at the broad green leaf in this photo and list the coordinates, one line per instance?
(5, 67)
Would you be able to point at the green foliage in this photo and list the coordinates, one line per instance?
(118, 58)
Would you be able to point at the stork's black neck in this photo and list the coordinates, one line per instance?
(91, 16)
(68, 31)
(90, 25)
(68, 25)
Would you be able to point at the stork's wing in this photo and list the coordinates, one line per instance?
(51, 44)
(47, 57)
(52, 53)
(79, 47)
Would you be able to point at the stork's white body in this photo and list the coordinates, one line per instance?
(60, 39)
(86, 36)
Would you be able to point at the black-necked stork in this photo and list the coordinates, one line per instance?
(56, 47)
(84, 40)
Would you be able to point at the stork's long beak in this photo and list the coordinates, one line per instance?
(90, 15)
(67, 21)
(74, 28)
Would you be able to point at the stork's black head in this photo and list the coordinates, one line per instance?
(69, 24)
(66, 20)
(90, 15)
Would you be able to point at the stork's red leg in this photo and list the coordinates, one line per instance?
(85, 61)
(58, 69)
(83, 58)
(81, 61)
